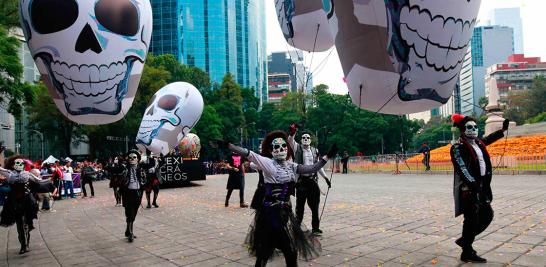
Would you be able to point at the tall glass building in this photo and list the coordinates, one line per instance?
(218, 36)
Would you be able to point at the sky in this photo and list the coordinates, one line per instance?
(331, 74)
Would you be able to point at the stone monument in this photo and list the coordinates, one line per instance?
(494, 110)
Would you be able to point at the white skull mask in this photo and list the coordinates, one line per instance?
(172, 112)
(19, 165)
(133, 159)
(89, 53)
(306, 140)
(471, 130)
(280, 149)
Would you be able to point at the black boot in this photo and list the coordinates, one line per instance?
(155, 201)
(471, 256)
(23, 250)
(127, 231)
(148, 199)
(131, 237)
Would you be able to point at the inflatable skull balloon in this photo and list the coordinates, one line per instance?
(89, 53)
(171, 114)
(401, 56)
(304, 24)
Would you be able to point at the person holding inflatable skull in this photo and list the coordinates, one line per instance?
(307, 188)
(472, 182)
(132, 185)
(275, 225)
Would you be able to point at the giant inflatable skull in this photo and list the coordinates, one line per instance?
(401, 56)
(171, 114)
(90, 53)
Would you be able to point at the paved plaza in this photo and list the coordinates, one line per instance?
(370, 220)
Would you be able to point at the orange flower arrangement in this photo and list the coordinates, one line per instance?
(530, 146)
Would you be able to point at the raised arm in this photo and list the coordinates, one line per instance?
(292, 137)
(260, 162)
(494, 136)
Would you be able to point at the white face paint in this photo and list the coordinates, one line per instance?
(19, 165)
(471, 130)
(280, 149)
(116, 160)
(306, 140)
(133, 159)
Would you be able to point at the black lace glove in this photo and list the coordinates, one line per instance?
(332, 152)
(505, 124)
(329, 183)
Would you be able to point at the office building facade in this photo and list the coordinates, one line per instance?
(279, 85)
(218, 36)
(514, 76)
(489, 45)
(509, 17)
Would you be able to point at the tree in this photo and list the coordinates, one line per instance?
(537, 96)
(209, 128)
(9, 13)
(483, 102)
(59, 131)
(12, 90)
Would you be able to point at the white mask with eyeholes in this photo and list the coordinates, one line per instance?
(471, 130)
(280, 149)
(116, 160)
(133, 159)
(306, 140)
(19, 165)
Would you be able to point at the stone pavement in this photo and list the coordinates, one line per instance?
(370, 220)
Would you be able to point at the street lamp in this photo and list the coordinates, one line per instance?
(242, 128)
(41, 138)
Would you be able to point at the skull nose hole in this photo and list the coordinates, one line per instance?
(150, 111)
(87, 40)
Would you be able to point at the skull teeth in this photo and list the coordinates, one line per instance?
(425, 33)
(89, 80)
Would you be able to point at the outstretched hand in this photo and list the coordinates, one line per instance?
(329, 183)
(505, 124)
(293, 129)
(332, 152)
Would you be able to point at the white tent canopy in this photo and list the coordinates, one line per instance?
(50, 160)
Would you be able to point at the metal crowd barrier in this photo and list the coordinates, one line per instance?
(533, 163)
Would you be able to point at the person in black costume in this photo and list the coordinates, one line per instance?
(425, 149)
(472, 182)
(21, 207)
(152, 182)
(131, 190)
(275, 225)
(236, 179)
(116, 169)
(307, 188)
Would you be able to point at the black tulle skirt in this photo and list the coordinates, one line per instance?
(14, 208)
(277, 228)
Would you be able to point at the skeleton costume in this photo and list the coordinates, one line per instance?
(472, 182)
(21, 207)
(131, 191)
(152, 182)
(117, 171)
(275, 225)
(307, 188)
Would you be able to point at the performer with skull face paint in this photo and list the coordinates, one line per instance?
(21, 207)
(307, 189)
(131, 190)
(275, 225)
(472, 182)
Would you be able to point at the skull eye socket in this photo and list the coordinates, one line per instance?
(168, 102)
(118, 16)
(279, 146)
(49, 16)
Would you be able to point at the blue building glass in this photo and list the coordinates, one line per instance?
(218, 36)
(477, 47)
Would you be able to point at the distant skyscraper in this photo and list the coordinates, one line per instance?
(291, 63)
(490, 45)
(218, 36)
(509, 17)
